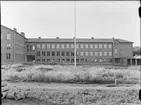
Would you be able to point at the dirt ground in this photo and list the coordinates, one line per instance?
(59, 87)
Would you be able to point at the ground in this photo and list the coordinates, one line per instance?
(57, 94)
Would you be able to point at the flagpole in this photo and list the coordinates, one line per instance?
(74, 34)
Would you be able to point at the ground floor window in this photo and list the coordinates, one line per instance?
(8, 56)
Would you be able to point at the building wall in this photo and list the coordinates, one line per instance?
(17, 48)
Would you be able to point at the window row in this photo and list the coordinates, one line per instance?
(53, 53)
(72, 60)
(43, 46)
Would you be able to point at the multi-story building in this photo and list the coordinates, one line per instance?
(12, 46)
(61, 51)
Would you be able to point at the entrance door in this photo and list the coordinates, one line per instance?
(30, 58)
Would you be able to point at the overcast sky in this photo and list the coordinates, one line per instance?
(51, 19)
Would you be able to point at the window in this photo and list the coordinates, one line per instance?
(67, 45)
(91, 45)
(81, 53)
(48, 45)
(53, 53)
(43, 60)
(110, 45)
(58, 53)
(38, 53)
(72, 53)
(53, 45)
(30, 48)
(100, 60)
(27, 48)
(77, 45)
(8, 46)
(100, 45)
(8, 56)
(77, 60)
(72, 60)
(105, 45)
(48, 53)
(33, 48)
(8, 36)
(67, 60)
(81, 46)
(48, 60)
(95, 45)
(91, 53)
(38, 60)
(81, 60)
(100, 53)
(58, 45)
(72, 45)
(77, 53)
(116, 51)
(67, 53)
(96, 53)
(43, 53)
(110, 53)
(62, 53)
(105, 53)
(86, 45)
(38, 45)
(43, 46)
(86, 53)
(63, 46)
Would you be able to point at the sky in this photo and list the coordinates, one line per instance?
(51, 19)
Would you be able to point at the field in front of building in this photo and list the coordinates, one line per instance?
(69, 74)
(66, 85)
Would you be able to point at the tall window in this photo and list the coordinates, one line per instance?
(53, 53)
(110, 45)
(33, 48)
(81, 46)
(8, 56)
(105, 45)
(116, 51)
(77, 45)
(77, 53)
(30, 48)
(38, 45)
(67, 45)
(58, 54)
(48, 53)
(86, 53)
(63, 46)
(72, 45)
(100, 53)
(8, 36)
(62, 53)
(96, 53)
(91, 45)
(100, 45)
(81, 53)
(110, 53)
(67, 53)
(72, 53)
(53, 45)
(38, 53)
(86, 46)
(48, 45)
(43, 46)
(91, 53)
(27, 48)
(8, 46)
(58, 46)
(95, 45)
(105, 53)
(43, 53)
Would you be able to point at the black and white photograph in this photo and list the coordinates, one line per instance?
(70, 52)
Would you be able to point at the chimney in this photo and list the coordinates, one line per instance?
(39, 37)
(22, 33)
(57, 37)
(92, 37)
(113, 38)
(15, 29)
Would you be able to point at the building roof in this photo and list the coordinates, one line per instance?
(72, 40)
(13, 31)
